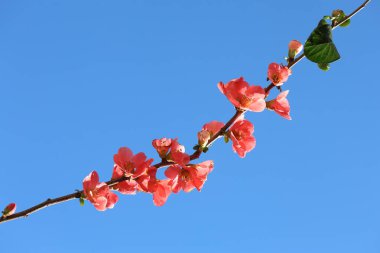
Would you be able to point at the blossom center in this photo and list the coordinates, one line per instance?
(185, 175)
(245, 101)
(276, 78)
(128, 167)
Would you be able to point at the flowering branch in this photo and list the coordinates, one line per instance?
(79, 194)
(134, 173)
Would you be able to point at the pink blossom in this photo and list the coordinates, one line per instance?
(241, 135)
(213, 127)
(97, 193)
(278, 74)
(131, 165)
(162, 146)
(280, 105)
(177, 153)
(160, 189)
(208, 131)
(145, 182)
(243, 96)
(9, 209)
(189, 177)
(125, 187)
(161, 192)
(295, 47)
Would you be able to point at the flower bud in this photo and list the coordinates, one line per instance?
(203, 137)
(295, 47)
(337, 14)
(9, 210)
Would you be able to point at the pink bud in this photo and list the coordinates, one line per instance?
(9, 210)
(203, 137)
(295, 47)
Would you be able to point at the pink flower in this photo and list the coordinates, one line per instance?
(295, 47)
(97, 193)
(131, 165)
(242, 139)
(145, 182)
(243, 96)
(189, 177)
(278, 74)
(280, 105)
(177, 154)
(125, 187)
(160, 189)
(208, 131)
(9, 209)
(162, 146)
(213, 127)
(161, 192)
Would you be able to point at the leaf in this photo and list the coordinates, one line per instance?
(319, 47)
(81, 201)
(346, 23)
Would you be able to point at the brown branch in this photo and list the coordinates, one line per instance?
(164, 163)
(352, 14)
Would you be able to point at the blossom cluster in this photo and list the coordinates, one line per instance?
(138, 175)
(134, 173)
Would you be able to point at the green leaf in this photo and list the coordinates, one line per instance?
(205, 149)
(346, 23)
(226, 139)
(319, 47)
(81, 201)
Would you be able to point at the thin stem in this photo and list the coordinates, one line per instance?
(164, 163)
(352, 14)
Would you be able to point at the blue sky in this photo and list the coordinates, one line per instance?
(79, 79)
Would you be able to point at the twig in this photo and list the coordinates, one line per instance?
(164, 163)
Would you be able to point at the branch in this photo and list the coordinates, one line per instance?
(163, 163)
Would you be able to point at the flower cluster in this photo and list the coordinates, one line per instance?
(134, 173)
